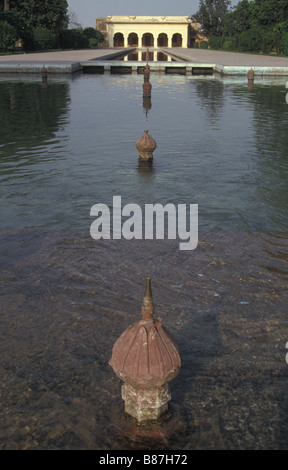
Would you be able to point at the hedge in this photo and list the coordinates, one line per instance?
(44, 38)
(204, 45)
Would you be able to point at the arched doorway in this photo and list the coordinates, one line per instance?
(148, 40)
(133, 40)
(176, 40)
(162, 40)
(118, 40)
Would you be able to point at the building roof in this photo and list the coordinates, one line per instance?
(148, 19)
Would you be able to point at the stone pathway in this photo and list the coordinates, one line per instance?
(193, 55)
(229, 58)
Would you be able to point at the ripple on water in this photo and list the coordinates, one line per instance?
(65, 299)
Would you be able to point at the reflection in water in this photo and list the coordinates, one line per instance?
(147, 56)
(218, 146)
(152, 56)
(132, 56)
(211, 96)
(271, 140)
(30, 113)
(147, 104)
(145, 166)
(162, 57)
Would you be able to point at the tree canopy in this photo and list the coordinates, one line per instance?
(250, 26)
(264, 14)
(42, 24)
(51, 14)
(211, 14)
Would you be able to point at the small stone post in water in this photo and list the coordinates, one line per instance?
(146, 358)
(251, 74)
(44, 72)
(147, 87)
(146, 146)
(250, 79)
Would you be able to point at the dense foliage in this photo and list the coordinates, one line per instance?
(250, 26)
(40, 25)
(8, 36)
(211, 15)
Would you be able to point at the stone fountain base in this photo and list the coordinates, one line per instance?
(172, 431)
(145, 404)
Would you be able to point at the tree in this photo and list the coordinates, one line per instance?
(239, 19)
(51, 14)
(93, 35)
(73, 21)
(8, 37)
(211, 14)
(270, 12)
(90, 32)
(266, 14)
(4, 5)
(44, 38)
(73, 39)
(251, 40)
(28, 15)
(55, 14)
(15, 19)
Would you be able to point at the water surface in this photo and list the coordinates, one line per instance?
(66, 298)
(71, 144)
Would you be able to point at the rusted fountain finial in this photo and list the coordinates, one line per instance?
(146, 146)
(145, 357)
(147, 304)
(44, 71)
(147, 87)
(251, 74)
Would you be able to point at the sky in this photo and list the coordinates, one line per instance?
(87, 10)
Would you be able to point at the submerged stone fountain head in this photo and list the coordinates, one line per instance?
(146, 359)
(146, 146)
(44, 72)
(147, 87)
(251, 74)
(146, 72)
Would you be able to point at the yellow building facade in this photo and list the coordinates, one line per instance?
(148, 31)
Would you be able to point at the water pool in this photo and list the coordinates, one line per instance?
(66, 298)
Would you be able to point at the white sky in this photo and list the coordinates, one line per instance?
(87, 10)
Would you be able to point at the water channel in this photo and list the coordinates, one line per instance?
(68, 144)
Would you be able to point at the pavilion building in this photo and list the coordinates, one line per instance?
(149, 31)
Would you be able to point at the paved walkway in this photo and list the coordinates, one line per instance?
(230, 58)
(59, 56)
(193, 55)
(69, 61)
(60, 61)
